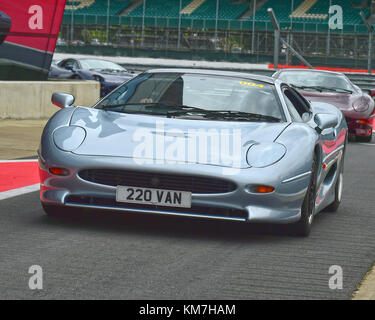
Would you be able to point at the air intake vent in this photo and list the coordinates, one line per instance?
(194, 184)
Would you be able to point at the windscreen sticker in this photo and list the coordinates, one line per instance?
(251, 84)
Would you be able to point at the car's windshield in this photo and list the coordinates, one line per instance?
(321, 81)
(91, 64)
(196, 95)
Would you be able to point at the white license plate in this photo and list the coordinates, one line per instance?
(160, 197)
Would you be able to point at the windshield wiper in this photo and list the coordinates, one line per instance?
(183, 109)
(218, 114)
(321, 88)
(338, 90)
(317, 88)
(133, 111)
(243, 116)
(224, 115)
(149, 105)
(170, 111)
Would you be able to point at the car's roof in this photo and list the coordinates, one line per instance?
(93, 58)
(216, 73)
(311, 70)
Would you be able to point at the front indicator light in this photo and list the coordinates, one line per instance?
(361, 121)
(59, 171)
(253, 188)
(264, 189)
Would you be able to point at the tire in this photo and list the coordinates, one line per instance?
(302, 228)
(333, 207)
(52, 210)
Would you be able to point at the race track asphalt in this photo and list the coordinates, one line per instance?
(129, 256)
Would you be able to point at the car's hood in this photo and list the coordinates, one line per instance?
(343, 101)
(338, 99)
(157, 138)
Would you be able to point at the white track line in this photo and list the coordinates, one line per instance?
(19, 191)
(21, 160)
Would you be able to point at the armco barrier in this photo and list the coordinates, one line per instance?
(32, 99)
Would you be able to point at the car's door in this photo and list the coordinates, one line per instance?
(327, 138)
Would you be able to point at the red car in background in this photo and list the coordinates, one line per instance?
(336, 89)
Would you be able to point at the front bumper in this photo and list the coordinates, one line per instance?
(283, 205)
(361, 128)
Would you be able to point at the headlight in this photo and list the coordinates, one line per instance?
(361, 104)
(264, 154)
(69, 138)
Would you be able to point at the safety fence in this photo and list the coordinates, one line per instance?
(223, 24)
(221, 40)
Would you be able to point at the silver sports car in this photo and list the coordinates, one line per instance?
(197, 143)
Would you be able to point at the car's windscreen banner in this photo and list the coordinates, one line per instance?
(28, 35)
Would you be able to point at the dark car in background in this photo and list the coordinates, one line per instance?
(5, 24)
(336, 89)
(57, 72)
(109, 74)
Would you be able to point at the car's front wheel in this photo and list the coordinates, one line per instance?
(333, 207)
(303, 226)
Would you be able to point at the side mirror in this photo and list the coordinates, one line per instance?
(325, 121)
(62, 100)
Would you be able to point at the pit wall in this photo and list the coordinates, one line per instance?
(32, 99)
